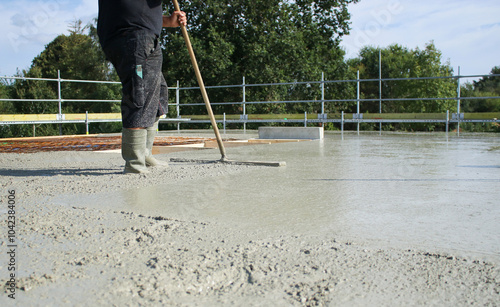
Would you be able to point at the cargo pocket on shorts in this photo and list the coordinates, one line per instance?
(145, 45)
(137, 87)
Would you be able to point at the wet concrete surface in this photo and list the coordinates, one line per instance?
(400, 190)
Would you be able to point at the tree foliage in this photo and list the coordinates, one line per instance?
(5, 93)
(488, 86)
(401, 62)
(398, 62)
(485, 87)
(76, 56)
(265, 42)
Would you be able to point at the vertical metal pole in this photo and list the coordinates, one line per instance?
(323, 98)
(342, 125)
(224, 121)
(458, 102)
(380, 86)
(447, 121)
(305, 119)
(87, 122)
(357, 99)
(59, 98)
(357, 93)
(244, 105)
(177, 105)
(322, 93)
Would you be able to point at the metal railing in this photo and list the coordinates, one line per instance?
(343, 118)
(319, 116)
(60, 117)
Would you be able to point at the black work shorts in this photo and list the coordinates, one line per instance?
(137, 58)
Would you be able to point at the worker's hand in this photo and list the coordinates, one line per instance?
(175, 20)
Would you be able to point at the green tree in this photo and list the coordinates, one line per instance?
(5, 106)
(5, 93)
(77, 56)
(485, 87)
(401, 62)
(32, 89)
(488, 86)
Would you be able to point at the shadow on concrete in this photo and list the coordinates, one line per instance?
(58, 172)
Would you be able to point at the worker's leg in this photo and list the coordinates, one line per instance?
(152, 131)
(150, 159)
(137, 60)
(134, 150)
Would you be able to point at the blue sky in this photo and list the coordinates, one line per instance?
(467, 32)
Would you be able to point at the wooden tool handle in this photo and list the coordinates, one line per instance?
(202, 86)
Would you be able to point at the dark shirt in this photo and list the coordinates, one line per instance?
(117, 17)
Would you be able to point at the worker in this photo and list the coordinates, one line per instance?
(129, 33)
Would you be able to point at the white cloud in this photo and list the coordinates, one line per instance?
(86, 11)
(466, 32)
(29, 25)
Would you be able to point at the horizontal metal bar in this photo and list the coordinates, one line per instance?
(339, 100)
(340, 81)
(104, 82)
(419, 78)
(262, 102)
(89, 100)
(89, 81)
(83, 121)
(31, 122)
(260, 84)
(29, 100)
(27, 78)
(239, 121)
(236, 121)
(476, 121)
(249, 102)
(211, 87)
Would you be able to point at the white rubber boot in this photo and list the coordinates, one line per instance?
(134, 150)
(150, 159)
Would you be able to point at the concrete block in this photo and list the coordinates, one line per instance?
(291, 133)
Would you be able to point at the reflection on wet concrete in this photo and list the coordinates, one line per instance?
(401, 190)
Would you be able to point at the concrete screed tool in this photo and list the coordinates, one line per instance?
(220, 144)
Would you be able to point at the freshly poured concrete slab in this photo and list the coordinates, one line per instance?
(291, 133)
(321, 230)
(402, 190)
